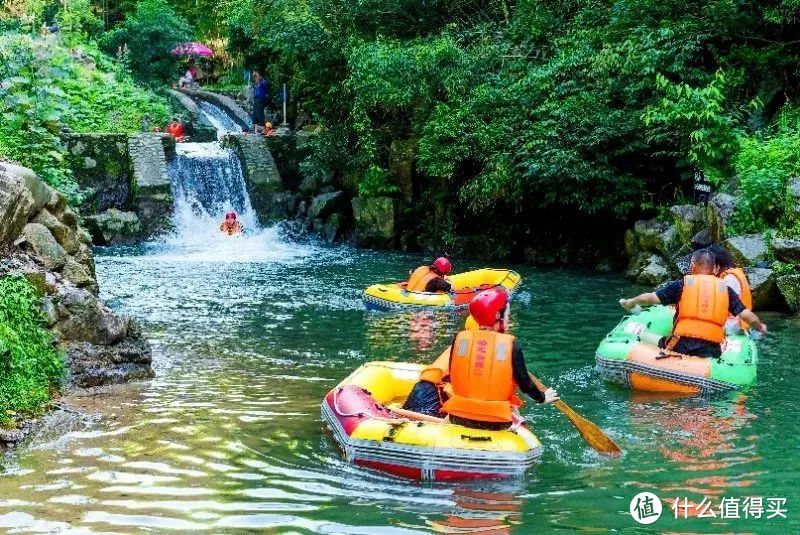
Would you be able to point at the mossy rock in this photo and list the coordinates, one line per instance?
(789, 286)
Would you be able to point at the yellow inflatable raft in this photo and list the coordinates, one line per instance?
(359, 413)
(465, 285)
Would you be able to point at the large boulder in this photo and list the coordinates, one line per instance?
(689, 219)
(113, 226)
(748, 249)
(84, 318)
(793, 188)
(789, 286)
(787, 250)
(654, 272)
(15, 205)
(635, 264)
(701, 239)
(332, 228)
(657, 236)
(40, 192)
(718, 212)
(764, 288)
(93, 365)
(326, 204)
(374, 220)
(44, 246)
(79, 275)
(65, 236)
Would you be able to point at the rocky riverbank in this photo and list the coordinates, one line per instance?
(658, 249)
(42, 238)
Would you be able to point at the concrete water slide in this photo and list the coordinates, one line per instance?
(188, 98)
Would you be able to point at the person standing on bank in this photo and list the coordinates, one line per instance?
(260, 96)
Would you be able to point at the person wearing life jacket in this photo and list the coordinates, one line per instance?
(736, 279)
(175, 129)
(431, 278)
(433, 388)
(704, 303)
(231, 225)
(487, 367)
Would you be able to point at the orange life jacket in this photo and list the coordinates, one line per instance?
(746, 295)
(703, 308)
(419, 280)
(231, 227)
(439, 368)
(175, 129)
(482, 376)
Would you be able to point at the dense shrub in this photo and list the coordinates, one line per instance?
(535, 105)
(30, 367)
(764, 165)
(146, 38)
(46, 86)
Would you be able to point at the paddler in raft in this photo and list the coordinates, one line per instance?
(431, 278)
(704, 303)
(485, 366)
(735, 278)
(231, 225)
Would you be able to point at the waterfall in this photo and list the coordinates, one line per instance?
(207, 181)
(223, 122)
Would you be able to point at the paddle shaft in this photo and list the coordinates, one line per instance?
(592, 434)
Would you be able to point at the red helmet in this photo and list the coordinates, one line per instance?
(488, 307)
(230, 215)
(442, 265)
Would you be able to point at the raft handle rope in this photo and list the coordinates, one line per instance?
(464, 292)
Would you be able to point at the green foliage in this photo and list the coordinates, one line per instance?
(701, 116)
(31, 105)
(764, 165)
(585, 107)
(375, 183)
(30, 367)
(146, 38)
(46, 86)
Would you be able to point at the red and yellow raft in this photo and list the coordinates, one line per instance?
(359, 414)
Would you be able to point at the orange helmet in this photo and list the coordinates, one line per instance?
(442, 265)
(488, 307)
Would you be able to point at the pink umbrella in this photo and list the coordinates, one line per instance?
(192, 49)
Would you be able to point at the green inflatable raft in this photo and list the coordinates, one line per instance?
(629, 355)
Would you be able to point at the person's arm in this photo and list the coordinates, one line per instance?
(647, 299)
(737, 308)
(523, 379)
(668, 294)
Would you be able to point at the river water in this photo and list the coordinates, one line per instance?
(251, 333)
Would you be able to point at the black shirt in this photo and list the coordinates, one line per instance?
(438, 285)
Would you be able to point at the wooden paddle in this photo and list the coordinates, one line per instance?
(592, 434)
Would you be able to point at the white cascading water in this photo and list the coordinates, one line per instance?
(207, 181)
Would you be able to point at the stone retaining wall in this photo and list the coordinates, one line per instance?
(102, 168)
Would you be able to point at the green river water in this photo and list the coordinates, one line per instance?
(250, 335)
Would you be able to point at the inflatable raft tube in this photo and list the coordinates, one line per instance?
(358, 414)
(394, 296)
(629, 355)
